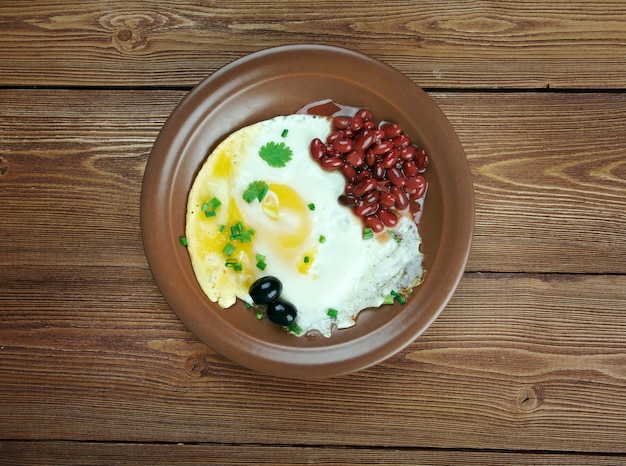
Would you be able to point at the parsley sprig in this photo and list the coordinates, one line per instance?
(276, 154)
(256, 190)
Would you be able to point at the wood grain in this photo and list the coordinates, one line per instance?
(516, 362)
(527, 44)
(28, 453)
(550, 188)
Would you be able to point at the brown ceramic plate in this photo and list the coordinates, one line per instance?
(279, 81)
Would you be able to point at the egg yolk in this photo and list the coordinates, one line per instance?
(291, 225)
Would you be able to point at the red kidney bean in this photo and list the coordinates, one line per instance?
(401, 141)
(415, 186)
(331, 163)
(330, 150)
(402, 201)
(341, 122)
(363, 175)
(355, 158)
(347, 200)
(408, 152)
(318, 149)
(387, 200)
(382, 147)
(396, 177)
(409, 168)
(365, 113)
(369, 125)
(379, 172)
(387, 217)
(349, 189)
(342, 145)
(379, 135)
(364, 210)
(421, 160)
(335, 135)
(370, 158)
(363, 140)
(348, 172)
(371, 197)
(373, 222)
(391, 158)
(391, 130)
(348, 133)
(356, 123)
(364, 187)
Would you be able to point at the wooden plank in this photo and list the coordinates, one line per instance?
(516, 362)
(69, 453)
(530, 44)
(73, 162)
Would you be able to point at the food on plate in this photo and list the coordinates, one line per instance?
(306, 242)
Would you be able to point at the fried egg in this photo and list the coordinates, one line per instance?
(260, 206)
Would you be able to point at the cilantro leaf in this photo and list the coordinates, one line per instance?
(256, 190)
(276, 154)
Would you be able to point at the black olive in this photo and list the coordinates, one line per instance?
(281, 312)
(265, 290)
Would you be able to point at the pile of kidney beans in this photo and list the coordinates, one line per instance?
(382, 168)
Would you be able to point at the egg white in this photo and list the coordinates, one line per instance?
(308, 240)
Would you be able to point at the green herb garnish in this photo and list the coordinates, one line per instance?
(332, 313)
(276, 154)
(284, 133)
(260, 258)
(255, 190)
(307, 259)
(233, 264)
(183, 240)
(398, 296)
(295, 328)
(322, 239)
(395, 237)
(209, 207)
(368, 233)
(229, 249)
(311, 206)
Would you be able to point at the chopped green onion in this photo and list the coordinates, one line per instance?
(307, 259)
(259, 315)
(398, 296)
(311, 206)
(260, 261)
(228, 249)
(395, 237)
(209, 207)
(248, 305)
(233, 264)
(284, 133)
(388, 299)
(245, 237)
(332, 313)
(322, 239)
(183, 240)
(368, 233)
(221, 228)
(295, 328)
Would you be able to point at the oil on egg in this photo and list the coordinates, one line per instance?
(261, 206)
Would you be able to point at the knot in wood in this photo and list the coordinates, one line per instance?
(530, 398)
(4, 166)
(197, 365)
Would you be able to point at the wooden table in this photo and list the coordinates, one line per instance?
(527, 364)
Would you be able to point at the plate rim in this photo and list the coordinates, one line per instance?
(305, 364)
